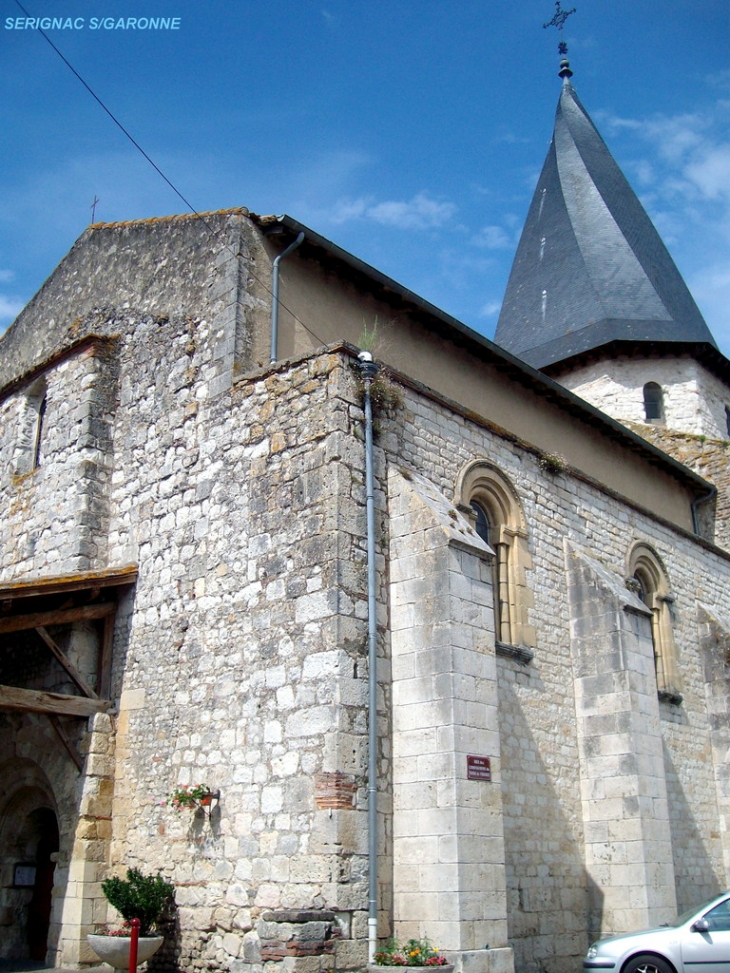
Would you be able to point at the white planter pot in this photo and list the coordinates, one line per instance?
(115, 949)
(376, 968)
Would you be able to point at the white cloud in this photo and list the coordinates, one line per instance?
(671, 136)
(711, 288)
(322, 174)
(10, 308)
(509, 138)
(490, 310)
(710, 171)
(6, 275)
(693, 157)
(675, 137)
(419, 213)
(493, 238)
(721, 79)
(461, 268)
(681, 163)
(347, 209)
(644, 172)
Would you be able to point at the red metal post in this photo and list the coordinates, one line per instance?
(133, 946)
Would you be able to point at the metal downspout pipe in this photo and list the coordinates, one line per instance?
(275, 298)
(710, 495)
(369, 370)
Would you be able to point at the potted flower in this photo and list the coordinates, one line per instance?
(143, 897)
(191, 796)
(414, 953)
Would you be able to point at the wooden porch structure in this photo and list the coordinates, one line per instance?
(35, 606)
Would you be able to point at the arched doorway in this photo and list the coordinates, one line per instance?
(42, 822)
(29, 842)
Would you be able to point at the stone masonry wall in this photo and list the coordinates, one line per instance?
(545, 834)
(82, 904)
(694, 398)
(715, 641)
(55, 514)
(273, 470)
(448, 847)
(695, 431)
(629, 860)
(169, 268)
(707, 456)
(244, 661)
(246, 667)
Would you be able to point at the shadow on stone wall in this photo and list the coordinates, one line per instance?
(694, 872)
(168, 958)
(549, 894)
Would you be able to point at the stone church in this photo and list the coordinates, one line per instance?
(446, 634)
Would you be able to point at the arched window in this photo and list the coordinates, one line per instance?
(29, 450)
(502, 627)
(652, 587)
(653, 402)
(38, 444)
(489, 500)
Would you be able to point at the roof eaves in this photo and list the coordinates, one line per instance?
(523, 372)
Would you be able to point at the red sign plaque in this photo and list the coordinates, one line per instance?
(478, 768)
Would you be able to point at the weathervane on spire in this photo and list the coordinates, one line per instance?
(559, 18)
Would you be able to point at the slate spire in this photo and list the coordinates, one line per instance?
(590, 268)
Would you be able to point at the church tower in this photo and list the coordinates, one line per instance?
(595, 300)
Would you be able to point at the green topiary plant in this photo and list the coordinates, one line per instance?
(143, 897)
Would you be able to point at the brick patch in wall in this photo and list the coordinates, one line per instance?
(335, 790)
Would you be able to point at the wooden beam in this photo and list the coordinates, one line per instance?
(19, 623)
(70, 748)
(67, 665)
(35, 701)
(71, 582)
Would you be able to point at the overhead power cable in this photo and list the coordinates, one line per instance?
(110, 114)
(159, 171)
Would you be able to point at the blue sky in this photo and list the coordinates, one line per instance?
(410, 132)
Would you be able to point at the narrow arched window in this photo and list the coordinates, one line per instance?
(490, 501)
(482, 524)
(727, 419)
(653, 589)
(653, 402)
(30, 443)
(38, 445)
(491, 537)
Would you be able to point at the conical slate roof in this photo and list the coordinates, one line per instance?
(590, 267)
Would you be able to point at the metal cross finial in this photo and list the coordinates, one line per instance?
(93, 208)
(558, 21)
(559, 17)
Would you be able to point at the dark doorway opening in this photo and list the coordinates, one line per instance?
(42, 825)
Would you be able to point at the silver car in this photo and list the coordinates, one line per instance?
(696, 942)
